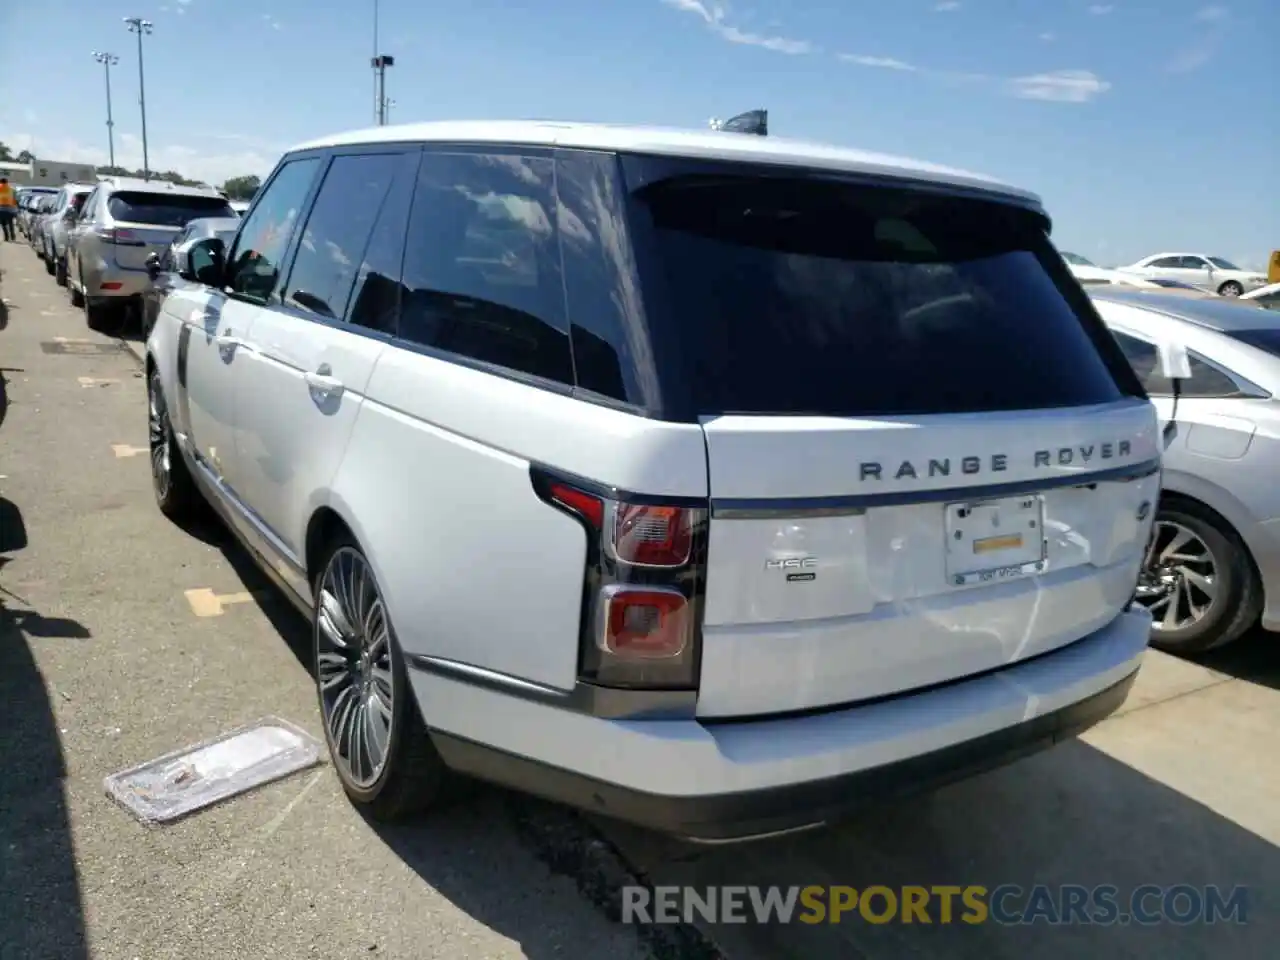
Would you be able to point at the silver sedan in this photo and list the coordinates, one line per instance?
(1213, 568)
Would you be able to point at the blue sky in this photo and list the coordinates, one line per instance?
(1144, 125)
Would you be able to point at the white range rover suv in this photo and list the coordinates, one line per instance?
(712, 482)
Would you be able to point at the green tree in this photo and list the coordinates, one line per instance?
(242, 188)
(26, 156)
(4, 152)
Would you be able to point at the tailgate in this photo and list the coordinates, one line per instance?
(855, 559)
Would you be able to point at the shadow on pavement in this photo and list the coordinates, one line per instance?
(40, 909)
(1072, 815)
(1255, 657)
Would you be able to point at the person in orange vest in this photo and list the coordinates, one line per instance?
(8, 208)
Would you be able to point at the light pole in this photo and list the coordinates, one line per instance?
(139, 26)
(108, 60)
(380, 65)
(377, 94)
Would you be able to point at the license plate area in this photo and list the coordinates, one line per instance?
(990, 541)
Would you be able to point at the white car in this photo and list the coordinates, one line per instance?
(1268, 296)
(1212, 273)
(710, 482)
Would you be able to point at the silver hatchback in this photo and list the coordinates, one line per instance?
(122, 223)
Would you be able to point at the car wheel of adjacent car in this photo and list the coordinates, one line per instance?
(77, 292)
(1198, 581)
(1231, 289)
(49, 266)
(377, 740)
(60, 272)
(175, 490)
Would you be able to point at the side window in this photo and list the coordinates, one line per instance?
(375, 301)
(90, 204)
(337, 231)
(1193, 263)
(1206, 380)
(1166, 263)
(264, 236)
(604, 306)
(482, 271)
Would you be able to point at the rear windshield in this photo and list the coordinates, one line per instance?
(814, 297)
(1264, 338)
(165, 211)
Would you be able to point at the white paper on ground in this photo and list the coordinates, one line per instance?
(182, 782)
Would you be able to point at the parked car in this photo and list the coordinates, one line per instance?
(175, 268)
(1268, 296)
(240, 206)
(57, 225)
(1213, 273)
(124, 222)
(36, 223)
(1213, 570)
(701, 407)
(28, 201)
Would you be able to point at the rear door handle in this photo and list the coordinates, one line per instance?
(323, 382)
(226, 340)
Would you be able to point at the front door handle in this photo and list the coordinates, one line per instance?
(226, 340)
(323, 382)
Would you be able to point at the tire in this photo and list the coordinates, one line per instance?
(1237, 601)
(366, 669)
(175, 490)
(95, 314)
(1230, 289)
(77, 296)
(49, 267)
(60, 272)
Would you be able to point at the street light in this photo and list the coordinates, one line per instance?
(108, 60)
(380, 65)
(139, 26)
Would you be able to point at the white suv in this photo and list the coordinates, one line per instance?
(710, 482)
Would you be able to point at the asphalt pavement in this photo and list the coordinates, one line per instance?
(123, 637)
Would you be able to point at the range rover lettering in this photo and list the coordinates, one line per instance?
(783, 477)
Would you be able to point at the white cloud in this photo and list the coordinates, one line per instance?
(946, 6)
(1207, 44)
(1062, 86)
(1214, 14)
(1101, 9)
(184, 2)
(882, 63)
(715, 16)
(1047, 37)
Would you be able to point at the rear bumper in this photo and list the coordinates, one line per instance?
(737, 780)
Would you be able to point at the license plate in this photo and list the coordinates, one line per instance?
(990, 541)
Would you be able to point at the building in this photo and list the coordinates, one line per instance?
(47, 173)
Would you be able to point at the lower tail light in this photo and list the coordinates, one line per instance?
(642, 586)
(644, 623)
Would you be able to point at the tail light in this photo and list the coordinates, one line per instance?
(123, 238)
(642, 587)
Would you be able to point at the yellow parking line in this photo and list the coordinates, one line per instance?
(205, 603)
(124, 450)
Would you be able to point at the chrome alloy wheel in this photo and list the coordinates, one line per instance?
(158, 434)
(353, 667)
(1179, 579)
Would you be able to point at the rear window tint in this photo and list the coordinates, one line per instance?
(810, 297)
(165, 211)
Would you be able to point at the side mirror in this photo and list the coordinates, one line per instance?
(153, 265)
(203, 262)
